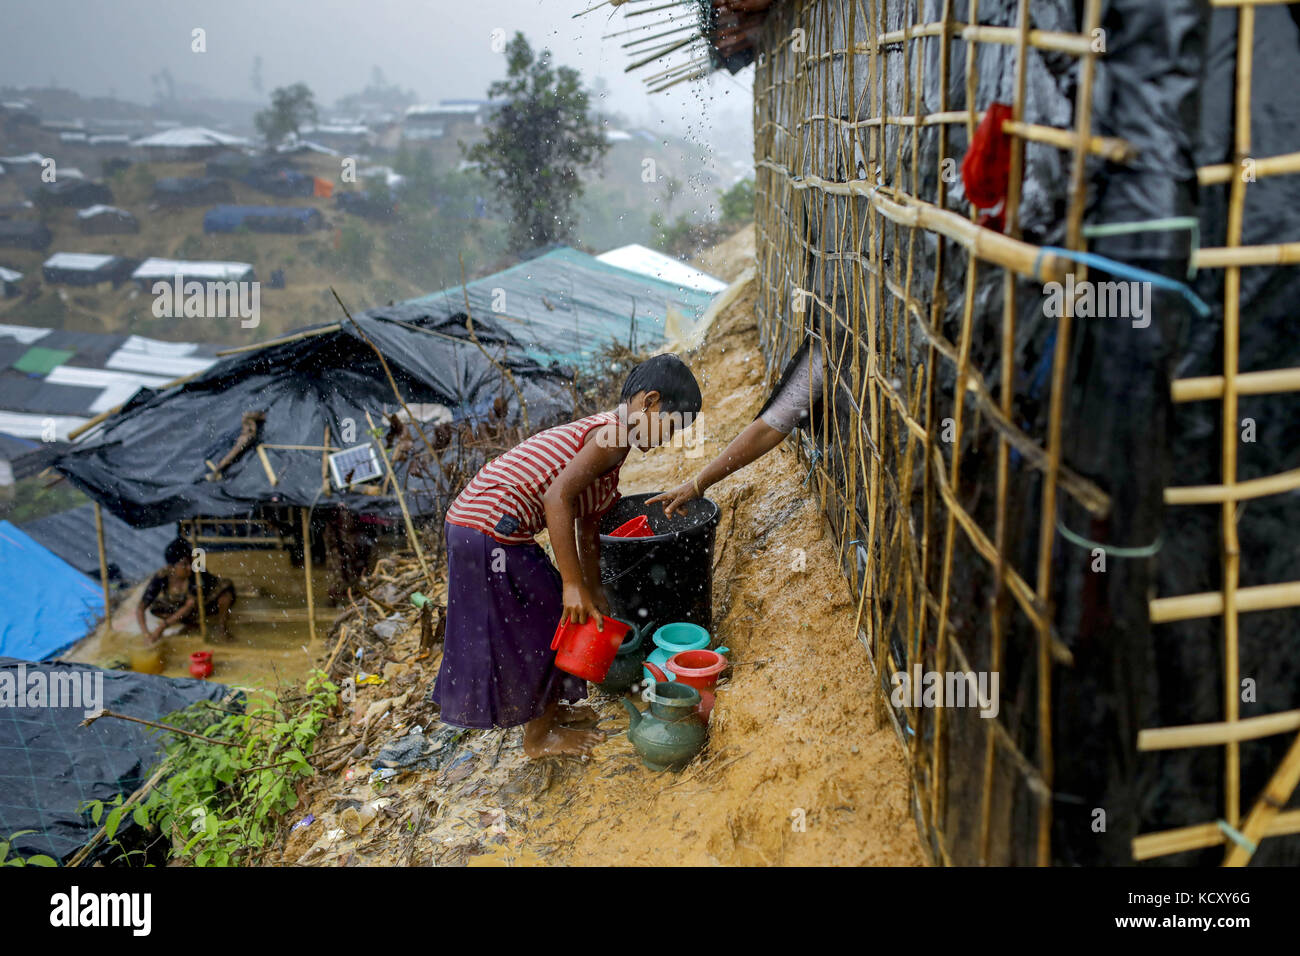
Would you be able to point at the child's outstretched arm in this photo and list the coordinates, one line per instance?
(601, 452)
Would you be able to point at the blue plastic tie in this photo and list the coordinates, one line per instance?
(1237, 837)
(1126, 271)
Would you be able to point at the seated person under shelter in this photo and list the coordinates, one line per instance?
(171, 596)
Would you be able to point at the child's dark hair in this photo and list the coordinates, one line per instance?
(671, 378)
(177, 550)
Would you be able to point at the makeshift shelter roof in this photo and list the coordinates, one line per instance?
(261, 218)
(85, 268)
(648, 262)
(46, 605)
(133, 553)
(68, 377)
(185, 137)
(168, 269)
(99, 209)
(147, 464)
(50, 765)
(28, 235)
(9, 275)
(73, 191)
(567, 305)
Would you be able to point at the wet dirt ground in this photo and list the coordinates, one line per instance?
(798, 769)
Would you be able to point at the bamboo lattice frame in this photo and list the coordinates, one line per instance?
(839, 221)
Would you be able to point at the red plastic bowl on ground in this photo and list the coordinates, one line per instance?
(638, 527)
(584, 651)
(201, 664)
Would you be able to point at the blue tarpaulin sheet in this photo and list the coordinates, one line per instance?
(46, 605)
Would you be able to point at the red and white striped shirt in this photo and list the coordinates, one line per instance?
(504, 500)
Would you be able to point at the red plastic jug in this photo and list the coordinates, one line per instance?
(201, 664)
(584, 651)
(638, 527)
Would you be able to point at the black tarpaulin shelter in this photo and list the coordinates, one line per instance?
(149, 462)
(50, 766)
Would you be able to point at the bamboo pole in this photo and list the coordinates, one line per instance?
(401, 501)
(1242, 491)
(1248, 383)
(284, 339)
(306, 564)
(1275, 795)
(198, 580)
(1218, 734)
(392, 382)
(1260, 597)
(103, 566)
(266, 466)
(1231, 547)
(1202, 836)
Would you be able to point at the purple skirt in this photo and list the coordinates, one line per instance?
(503, 604)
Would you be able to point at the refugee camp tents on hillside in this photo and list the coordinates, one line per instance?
(9, 279)
(101, 220)
(18, 234)
(186, 143)
(198, 270)
(56, 380)
(568, 306)
(85, 268)
(287, 219)
(148, 463)
(53, 766)
(192, 191)
(72, 192)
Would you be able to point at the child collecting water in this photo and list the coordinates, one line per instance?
(505, 598)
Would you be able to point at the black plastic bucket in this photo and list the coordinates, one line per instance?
(665, 577)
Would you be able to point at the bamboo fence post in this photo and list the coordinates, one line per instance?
(306, 564)
(103, 567)
(401, 501)
(1231, 343)
(198, 579)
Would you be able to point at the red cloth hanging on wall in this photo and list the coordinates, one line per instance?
(986, 168)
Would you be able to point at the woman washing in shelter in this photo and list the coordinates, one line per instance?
(505, 598)
(172, 597)
(795, 402)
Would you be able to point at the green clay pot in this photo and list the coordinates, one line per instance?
(670, 734)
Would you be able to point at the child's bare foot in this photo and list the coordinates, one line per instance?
(561, 742)
(573, 716)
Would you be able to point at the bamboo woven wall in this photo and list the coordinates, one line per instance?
(861, 243)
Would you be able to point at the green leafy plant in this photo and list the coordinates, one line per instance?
(229, 787)
(6, 849)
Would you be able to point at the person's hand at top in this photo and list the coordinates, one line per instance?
(579, 605)
(676, 499)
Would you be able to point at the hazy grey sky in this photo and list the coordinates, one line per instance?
(439, 48)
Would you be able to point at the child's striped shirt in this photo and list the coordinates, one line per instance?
(504, 500)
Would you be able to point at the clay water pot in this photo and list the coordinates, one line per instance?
(670, 733)
(148, 660)
(201, 664)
